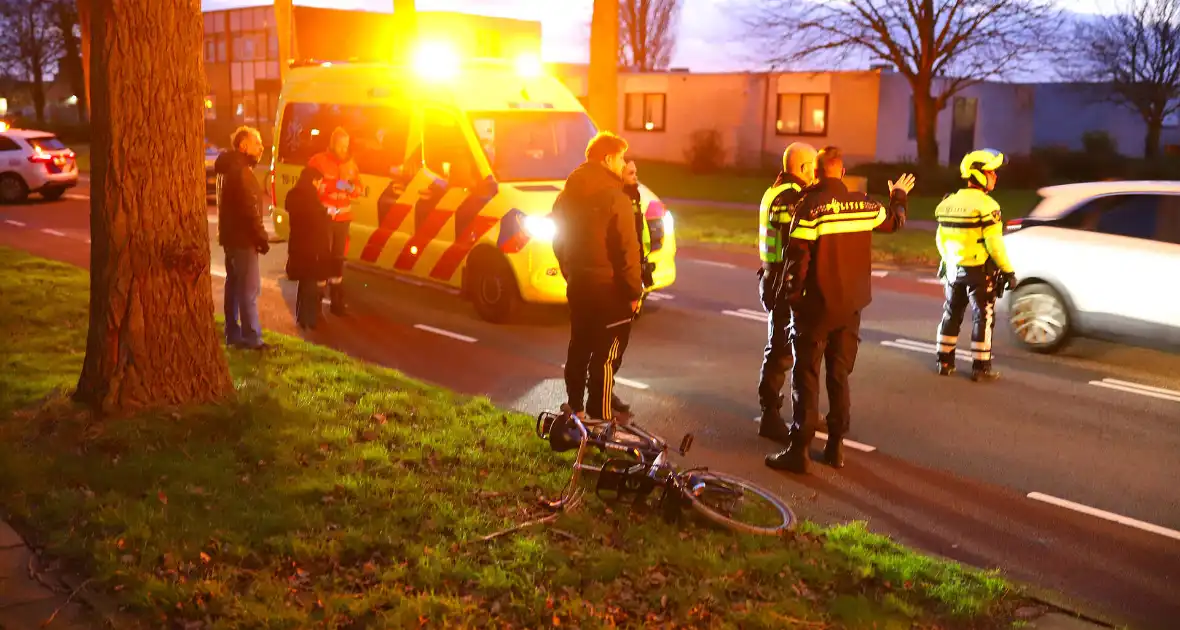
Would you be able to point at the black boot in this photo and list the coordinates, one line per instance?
(336, 296)
(834, 451)
(795, 457)
(617, 404)
(945, 364)
(771, 425)
(981, 371)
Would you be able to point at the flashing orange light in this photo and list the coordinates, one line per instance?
(436, 61)
(4, 126)
(528, 66)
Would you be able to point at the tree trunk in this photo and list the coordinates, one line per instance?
(152, 340)
(70, 63)
(38, 71)
(603, 90)
(1151, 144)
(925, 126)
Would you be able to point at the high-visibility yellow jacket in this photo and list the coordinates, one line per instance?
(970, 230)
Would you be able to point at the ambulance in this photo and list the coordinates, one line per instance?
(460, 162)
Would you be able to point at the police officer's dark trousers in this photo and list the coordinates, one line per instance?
(600, 324)
(974, 286)
(777, 359)
(832, 341)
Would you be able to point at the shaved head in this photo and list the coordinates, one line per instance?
(799, 160)
(831, 162)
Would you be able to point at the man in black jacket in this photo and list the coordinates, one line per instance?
(242, 235)
(828, 283)
(598, 252)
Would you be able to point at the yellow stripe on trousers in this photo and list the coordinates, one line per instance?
(608, 380)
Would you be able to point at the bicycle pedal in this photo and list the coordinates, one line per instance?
(624, 480)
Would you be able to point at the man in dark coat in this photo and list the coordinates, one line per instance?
(309, 250)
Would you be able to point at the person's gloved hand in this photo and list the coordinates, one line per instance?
(1009, 279)
(264, 248)
(344, 185)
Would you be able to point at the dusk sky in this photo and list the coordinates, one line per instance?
(707, 40)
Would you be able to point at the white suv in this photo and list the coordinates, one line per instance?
(1099, 258)
(34, 162)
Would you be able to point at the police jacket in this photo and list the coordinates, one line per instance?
(774, 218)
(970, 230)
(596, 244)
(829, 251)
(239, 202)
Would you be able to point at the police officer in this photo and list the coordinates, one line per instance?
(828, 282)
(773, 219)
(970, 240)
(631, 187)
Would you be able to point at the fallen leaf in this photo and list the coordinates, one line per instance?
(369, 435)
(556, 620)
(663, 602)
(127, 559)
(369, 568)
(205, 557)
(197, 490)
(379, 418)
(162, 497)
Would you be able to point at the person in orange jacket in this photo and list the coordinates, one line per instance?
(341, 184)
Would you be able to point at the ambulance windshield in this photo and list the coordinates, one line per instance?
(533, 145)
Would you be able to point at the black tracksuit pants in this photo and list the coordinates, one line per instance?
(833, 342)
(600, 325)
(974, 286)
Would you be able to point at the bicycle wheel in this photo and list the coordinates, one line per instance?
(735, 503)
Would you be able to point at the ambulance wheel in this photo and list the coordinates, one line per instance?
(491, 286)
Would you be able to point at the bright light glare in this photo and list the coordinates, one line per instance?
(528, 66)
(3, 126)
(668, 223)
(540, 228)
(436, 60)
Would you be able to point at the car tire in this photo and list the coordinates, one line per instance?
(1039, 318)
(52, 194)
(491, 286)
(13, 189)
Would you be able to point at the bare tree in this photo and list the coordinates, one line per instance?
(29, 44)
(69, 63)
(1135, 55)
(940, 46)
(152, 341)
(647, 33)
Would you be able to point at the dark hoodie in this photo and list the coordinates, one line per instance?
(596, 244)
(239, 202)
(309, 249)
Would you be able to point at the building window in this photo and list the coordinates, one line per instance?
(802, 115)
(645, 112)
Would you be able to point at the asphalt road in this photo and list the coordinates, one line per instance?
(1063, 474)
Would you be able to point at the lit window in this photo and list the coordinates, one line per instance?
(645, 112)
(802, 115)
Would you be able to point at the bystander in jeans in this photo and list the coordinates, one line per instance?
(242, 236)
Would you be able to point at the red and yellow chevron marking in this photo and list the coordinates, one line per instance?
(464, 243)
(393, 220)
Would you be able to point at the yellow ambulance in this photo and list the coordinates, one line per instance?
(460, 162)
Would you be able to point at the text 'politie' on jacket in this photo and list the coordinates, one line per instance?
(596, 244)
(239, 202)
(830, 248)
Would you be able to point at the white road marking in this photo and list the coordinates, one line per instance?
(1103, 514)
(53, 232)
(77, 196)
(746, 313)
(917, 346)
(218, 271)
(1135, 388)
(658, 296)
(213, 219)
(712, 263)
(860, 446)
(16, 223)
(625, 381)
(930, 281)
(880, 273)
(445, 333)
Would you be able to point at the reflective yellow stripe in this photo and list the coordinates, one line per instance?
(838, 224)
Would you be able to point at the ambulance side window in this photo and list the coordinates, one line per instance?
(377, 135)
(445, 150)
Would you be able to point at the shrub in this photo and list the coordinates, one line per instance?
(705, 152)
(934, 181)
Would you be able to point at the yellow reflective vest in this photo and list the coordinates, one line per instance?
(970, 230)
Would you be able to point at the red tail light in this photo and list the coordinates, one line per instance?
(1014, 224)
(655, 210)
(41, 158)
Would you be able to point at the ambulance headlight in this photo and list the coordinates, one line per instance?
(436, 61)
(540, 228)
(528, 66)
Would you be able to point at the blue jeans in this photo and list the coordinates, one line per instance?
(242, 287)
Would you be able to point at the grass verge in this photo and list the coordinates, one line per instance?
(336, 494)
(736, 229)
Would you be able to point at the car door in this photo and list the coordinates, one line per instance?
(1166, 254)
(1117, 258)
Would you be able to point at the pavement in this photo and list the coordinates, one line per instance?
(28, 597)
(1062, 474)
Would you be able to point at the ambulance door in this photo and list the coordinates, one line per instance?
(454, 175)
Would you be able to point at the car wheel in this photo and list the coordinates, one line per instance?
(53, 194)
(1039, 318)
(13, 189)
(492, 287)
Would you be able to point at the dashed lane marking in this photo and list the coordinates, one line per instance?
(12, 222)
(745, 313)
(656, 296)
(918, 346)
(712, 263)
(445, 333)
(1136, 388)
(853, 444)
(930, 281)
(1103, 514)
(625, 381)
(880, 273)
(218, 271)
(53, 232)
(77, 196)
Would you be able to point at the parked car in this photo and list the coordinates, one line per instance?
(1097, 259)
(211, 153)
(34, 162)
